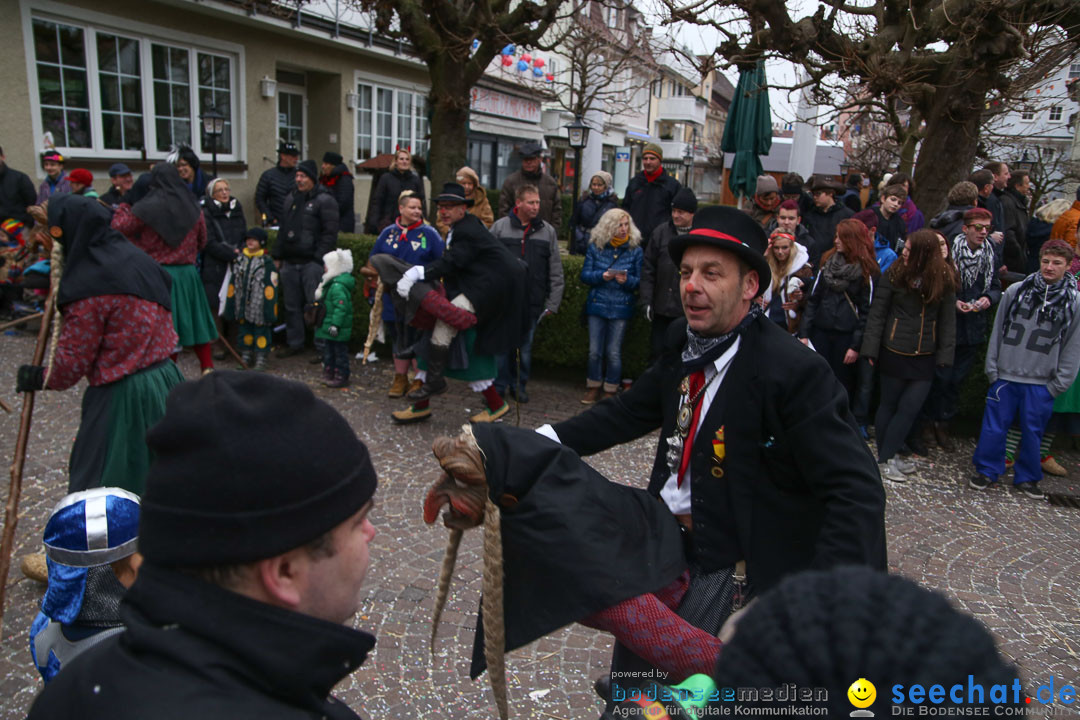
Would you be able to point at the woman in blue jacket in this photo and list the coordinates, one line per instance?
(612, 270)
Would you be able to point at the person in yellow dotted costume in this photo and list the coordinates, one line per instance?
(252, 299)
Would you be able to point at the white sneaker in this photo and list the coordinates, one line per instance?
(906, 466)
(890, 471)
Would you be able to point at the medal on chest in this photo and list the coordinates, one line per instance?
(684, 418)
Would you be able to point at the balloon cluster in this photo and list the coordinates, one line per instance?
(523, 64)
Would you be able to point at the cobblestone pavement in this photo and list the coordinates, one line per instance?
(1010, 561)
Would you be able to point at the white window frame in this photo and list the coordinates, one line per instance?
(91, 22)
(1055, 110)
(1074, 70)
(1027, 113)
(376, 83)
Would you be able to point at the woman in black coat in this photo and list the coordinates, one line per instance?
(911, 331)
(225, 230)
(835, 315)
(594, 202)
(382, 207)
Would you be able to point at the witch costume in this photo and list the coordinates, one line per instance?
(117, 332)
(86, 532)
(169, 226)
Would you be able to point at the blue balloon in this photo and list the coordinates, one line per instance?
(475, 43)
(508, 50)
(538, 72)
(522, 66)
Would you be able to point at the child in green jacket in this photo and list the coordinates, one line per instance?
(335, 292)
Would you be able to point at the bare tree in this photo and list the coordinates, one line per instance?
(441, 34)
(944, 60)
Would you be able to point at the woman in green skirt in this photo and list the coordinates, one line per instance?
(169, 226)
(116, 331)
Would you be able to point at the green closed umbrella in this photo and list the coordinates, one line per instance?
(748, 131)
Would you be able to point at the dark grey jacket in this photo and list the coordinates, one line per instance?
(16, 194)
(274, 186)
(539, 248)
(309, 227)
(659, 276)
(1015, 209)
(901, 322)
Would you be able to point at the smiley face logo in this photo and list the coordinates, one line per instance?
(862, 693)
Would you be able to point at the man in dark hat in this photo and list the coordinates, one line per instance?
(122, 179)
(821, 219)
(276, 183)
(650, 193)
(308, 230)
(759, 458)
(254, 554)
(532, 174)
(485, 286)
(338, 180)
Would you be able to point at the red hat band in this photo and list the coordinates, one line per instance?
(705, 232)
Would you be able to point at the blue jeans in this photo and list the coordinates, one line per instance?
(605, 343)
(336, 356)
(1030, 406)
(506, 364)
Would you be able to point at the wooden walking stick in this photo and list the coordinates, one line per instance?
(21, 321)
(11, 511)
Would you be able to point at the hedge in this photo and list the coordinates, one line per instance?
(562, 340)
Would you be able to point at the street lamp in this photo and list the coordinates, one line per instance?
(213, 126)
(578, 134)
(1025, 162)
(688, 164)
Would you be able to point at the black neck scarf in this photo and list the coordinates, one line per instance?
(701, 351)
(169, 207)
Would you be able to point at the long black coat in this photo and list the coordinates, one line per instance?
(1014, 249)
(274, 186)
(194, 650)
(800, 487)
(659, 275)
(479, 266)
(225, 230)
(16, 194)
(382, 206)
(340, 184)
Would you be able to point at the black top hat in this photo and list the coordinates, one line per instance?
(453, 193)
(728, 229)
(287, 148)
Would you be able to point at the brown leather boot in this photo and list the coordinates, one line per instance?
(415, 385)
(399, 386)
(460, 457)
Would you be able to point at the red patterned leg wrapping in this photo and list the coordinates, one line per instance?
(648, 626)
(446, 311)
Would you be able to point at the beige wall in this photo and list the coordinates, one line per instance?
(330, 67)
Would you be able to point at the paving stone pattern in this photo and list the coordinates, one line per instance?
(1010, 561)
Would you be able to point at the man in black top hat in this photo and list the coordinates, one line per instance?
(338, 180)
(759, 458)
(254, 554)
(275, 184)
(532, 174)
(482, 279)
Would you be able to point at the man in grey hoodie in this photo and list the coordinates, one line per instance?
(1033, 356)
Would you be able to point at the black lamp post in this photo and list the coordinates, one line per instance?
(688, 166)
(213, 125)
(578, 133)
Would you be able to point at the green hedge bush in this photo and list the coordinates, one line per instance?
(562, 340)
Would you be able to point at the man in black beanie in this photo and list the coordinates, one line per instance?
(659, 274)
(309, 228)
(254, 537)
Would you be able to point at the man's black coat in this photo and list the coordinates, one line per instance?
(800, 487)
(480, 267)
(194, 650)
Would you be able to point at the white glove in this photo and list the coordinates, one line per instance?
(648, 313)
(416, 272)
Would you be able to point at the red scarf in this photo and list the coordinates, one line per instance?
(415, 225)
(651, 177)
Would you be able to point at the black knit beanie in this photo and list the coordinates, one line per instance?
(247, 466)
(308, 168)
(829, 629)
(332, 157)
(685, 200)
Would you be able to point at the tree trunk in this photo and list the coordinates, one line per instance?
(450, 95)
(949, 144)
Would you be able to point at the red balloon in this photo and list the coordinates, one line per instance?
(507, 60)
(527, 57)
(539, 62)
(549, 77)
